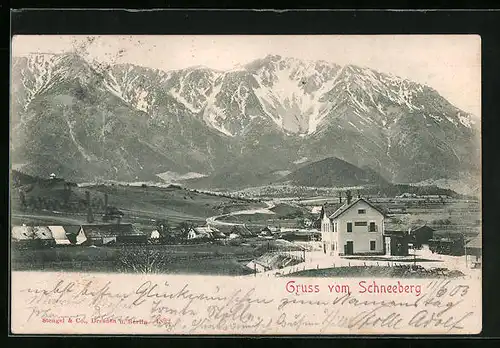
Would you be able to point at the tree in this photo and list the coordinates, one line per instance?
(304, 223)
(348, 195)
(22, 197)
(163, 228)
(41, 203)
(112, 213)
(99, 204)
(184, 227)
(66, 193)
(144, 260)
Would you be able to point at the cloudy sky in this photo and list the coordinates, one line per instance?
(449, 63)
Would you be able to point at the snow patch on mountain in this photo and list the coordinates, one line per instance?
(40, 74)
(465, 119)
(212, 114)
(300, 160)
(170, 176)
(114, 87)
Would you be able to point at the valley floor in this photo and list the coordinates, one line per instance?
(178, 205)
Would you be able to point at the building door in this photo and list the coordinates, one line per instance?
(349, 248)
(387, 246)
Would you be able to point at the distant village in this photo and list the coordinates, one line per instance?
(353, 226)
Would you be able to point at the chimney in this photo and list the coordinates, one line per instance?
(349, 197)
(322, 214)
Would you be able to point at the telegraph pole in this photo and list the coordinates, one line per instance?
(465, 249)
(414, 256)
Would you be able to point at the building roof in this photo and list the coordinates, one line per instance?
(392, 226)
(203, 230)
(218, 234)
(241, 230)
(271, 228)
(420, 228)
(109, 230)
(59, 234)
(316, 209)
(43, 232)
(474, 243)
(72, 229)
(329, 208)
(22, 233)
(395, 233)
(31, 232)
(346, 207)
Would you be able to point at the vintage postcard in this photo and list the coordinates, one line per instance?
(251, 185)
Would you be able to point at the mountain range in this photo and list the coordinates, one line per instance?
(257, 123)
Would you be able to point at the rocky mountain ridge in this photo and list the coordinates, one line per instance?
(126, 122)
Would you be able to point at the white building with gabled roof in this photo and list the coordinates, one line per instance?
(357, 227)
(59, 234)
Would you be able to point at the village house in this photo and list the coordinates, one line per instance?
(397, 238)
(269, 230)
(112, 233)
(75, 234)
(241, 231)
(421, 235)
(155, 235)
(60, 236)
(396, 243)
(452, 245)
(357, 227)
(316, 210)
(216, 234)
(32, 236)
(205, 232)
(300, 234)
(407, 195)
(23, 236)
(473, 252)
(234, 236)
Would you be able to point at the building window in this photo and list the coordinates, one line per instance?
(360, 223)
(361, 211)
(372, 245)
(372, 227)
(349, 227)
(333, 246)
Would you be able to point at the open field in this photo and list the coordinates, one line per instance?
(284, 215)
(206, 258)
(199, 259)
(457, 216)
(141, 205)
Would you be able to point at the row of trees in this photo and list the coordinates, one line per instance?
(40, 203)
(64, 203)
(97, 204)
